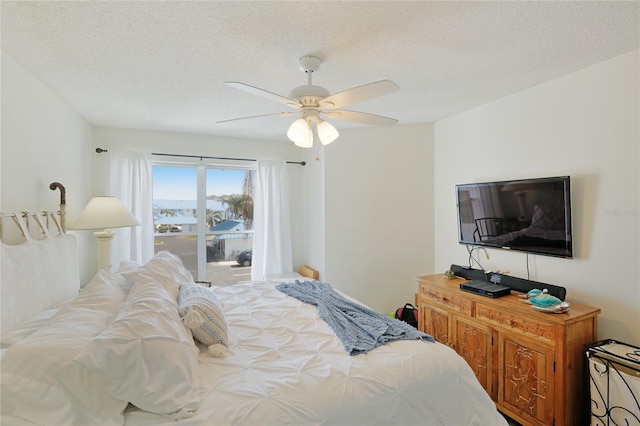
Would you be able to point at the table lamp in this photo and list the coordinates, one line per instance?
(104, 213)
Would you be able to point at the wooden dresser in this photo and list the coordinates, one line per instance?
(531, 363)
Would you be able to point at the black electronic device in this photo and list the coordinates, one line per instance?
(468, 273)
(514, 283)
(485, 288)
(529, 215)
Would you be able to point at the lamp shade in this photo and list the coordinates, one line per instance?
(326, 132)
(300, 133)
(103, 213)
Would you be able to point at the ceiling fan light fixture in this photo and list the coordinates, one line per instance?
(326, 132)
(300, 133)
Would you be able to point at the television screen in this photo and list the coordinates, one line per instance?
(529, 215)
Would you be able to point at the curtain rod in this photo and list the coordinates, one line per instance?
(302, 163)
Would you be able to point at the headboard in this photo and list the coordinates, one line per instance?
(39, 272)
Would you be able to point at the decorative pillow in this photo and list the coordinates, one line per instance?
(146, 355)
(202, 313)
(166, 269)
(40, 381)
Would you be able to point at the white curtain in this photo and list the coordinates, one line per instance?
(130, 178)
(272, 253)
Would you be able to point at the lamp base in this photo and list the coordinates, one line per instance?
(104, 248)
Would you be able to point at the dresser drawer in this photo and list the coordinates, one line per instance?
(446, 298)
(516, 322)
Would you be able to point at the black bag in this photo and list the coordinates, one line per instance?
(409, 314)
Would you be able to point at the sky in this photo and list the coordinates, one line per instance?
(180, 183)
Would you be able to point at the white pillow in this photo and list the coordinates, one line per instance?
(26, 329)
(201, 312)
(127, 266)
(32, 368)
(146, 355)
(103, 292)
(166, 269)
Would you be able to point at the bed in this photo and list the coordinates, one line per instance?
(120, 351)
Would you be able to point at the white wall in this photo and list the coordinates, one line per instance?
(584, 125)
(313, 251)
(43, 140)
(379, 213)
(191, 144)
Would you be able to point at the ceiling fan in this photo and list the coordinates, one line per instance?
(314, 104)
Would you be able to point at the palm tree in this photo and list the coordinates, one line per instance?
(168, 212)
(240, 206)
(246, 208)
(233, 202)
(214, 217)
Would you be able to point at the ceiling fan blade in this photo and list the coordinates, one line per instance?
(264, 93)
(361, 118)
(275, 114)
(359, 94)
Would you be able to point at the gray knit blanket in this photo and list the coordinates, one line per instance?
(359, 328)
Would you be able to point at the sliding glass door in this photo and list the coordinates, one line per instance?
(204, 215)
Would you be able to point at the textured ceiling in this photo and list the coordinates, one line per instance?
(161, 65)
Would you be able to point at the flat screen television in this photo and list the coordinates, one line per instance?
(528, 215)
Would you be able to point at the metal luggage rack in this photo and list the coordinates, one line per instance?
(614, 377)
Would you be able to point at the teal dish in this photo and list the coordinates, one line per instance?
(534, 292)
(544, 300)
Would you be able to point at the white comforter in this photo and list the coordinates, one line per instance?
(121, 340)
(285, 366)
